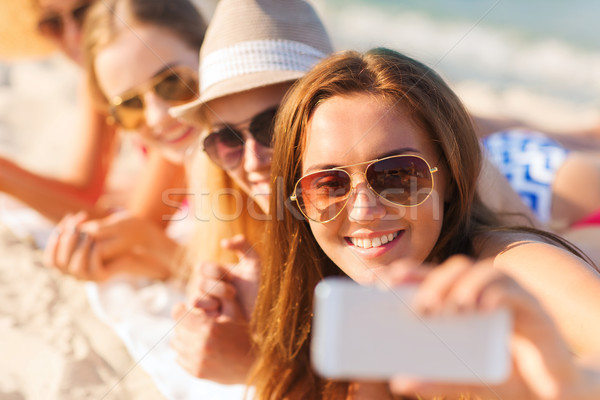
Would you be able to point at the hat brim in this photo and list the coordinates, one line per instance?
(188, 112)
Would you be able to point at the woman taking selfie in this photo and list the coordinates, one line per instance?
(377, 163)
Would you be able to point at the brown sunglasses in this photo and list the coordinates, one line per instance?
(53, 24)
(405, 180)
(175, 85)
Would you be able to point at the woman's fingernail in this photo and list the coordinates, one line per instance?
(81, 238)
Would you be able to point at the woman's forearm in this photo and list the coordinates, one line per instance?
(51, 197)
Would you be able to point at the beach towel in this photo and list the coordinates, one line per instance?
(138, 309)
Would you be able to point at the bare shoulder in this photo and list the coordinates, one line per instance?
(518, 250)
(492, 244)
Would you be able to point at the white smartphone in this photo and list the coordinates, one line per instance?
(361, 332)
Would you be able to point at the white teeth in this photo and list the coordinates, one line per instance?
(375, 242)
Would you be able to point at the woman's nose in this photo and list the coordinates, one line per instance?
(156, 111)
(256, 156)
(70, 39)
(364, 205)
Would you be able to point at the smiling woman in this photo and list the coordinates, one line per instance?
(253, 52)
(141, 58)
(418, 127)
(140, 65)
(389, 132)
(34, 28)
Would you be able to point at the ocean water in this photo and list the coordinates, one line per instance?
(503, 54)
(548, 47)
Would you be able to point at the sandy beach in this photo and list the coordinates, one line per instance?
(52, 344)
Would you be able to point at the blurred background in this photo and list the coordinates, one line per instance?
(534, 60)
(537, 59)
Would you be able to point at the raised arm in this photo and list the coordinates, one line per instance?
(567, 287)
(543, 367)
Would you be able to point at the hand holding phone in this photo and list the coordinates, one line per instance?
(362, 332)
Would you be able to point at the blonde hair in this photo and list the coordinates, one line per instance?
(221, 210)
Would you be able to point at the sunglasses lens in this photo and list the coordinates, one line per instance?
(80, 12)
(51, 26)
(175, 86)
(179, 86)
(261, 127)
(129, 113)
(225, 147)
(322, 195)
(403, 180)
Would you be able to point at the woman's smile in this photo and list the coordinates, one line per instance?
(369, 233)
(375, 244)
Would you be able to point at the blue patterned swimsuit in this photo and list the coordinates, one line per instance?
(529, 160)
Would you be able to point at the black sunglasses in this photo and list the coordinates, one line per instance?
(53, 25)
(225, 146)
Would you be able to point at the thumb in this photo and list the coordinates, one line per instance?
(245, 274)
(248, 264)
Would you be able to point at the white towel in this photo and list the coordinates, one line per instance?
(138, 309)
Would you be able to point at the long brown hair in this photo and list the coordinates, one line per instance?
(282, 319)
(107, 18)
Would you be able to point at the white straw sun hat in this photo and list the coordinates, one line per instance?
(19, 37)
(256, 43)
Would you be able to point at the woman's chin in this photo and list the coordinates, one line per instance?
(262, 201)
(176, 156)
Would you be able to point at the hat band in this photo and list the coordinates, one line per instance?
(256, 56)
